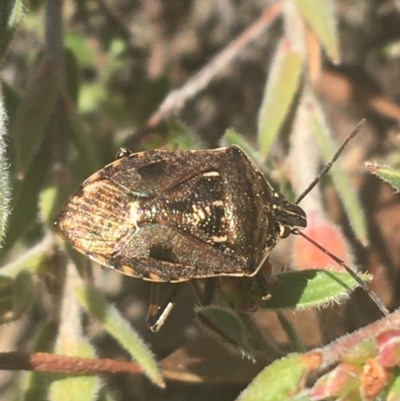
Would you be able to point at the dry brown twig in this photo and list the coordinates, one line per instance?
(46, 362)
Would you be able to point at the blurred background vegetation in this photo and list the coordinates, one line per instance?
(82, 78)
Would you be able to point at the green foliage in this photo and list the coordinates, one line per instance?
(121, 330)
(310, 288)
(320, 15)
(25, 195)
(5, 191)
(278, 381)
(227, 327)
(23, 294)
(28, 128)
(280, 91)
(70, 388)
(385, 173)
(17, 296)
(232, 137)
(180, 137)
(293, 290)
(11, 12)
(393, 392)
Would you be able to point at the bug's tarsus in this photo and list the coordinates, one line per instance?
(340, 262)
(263, 286)
(158, 314)
(330, 164)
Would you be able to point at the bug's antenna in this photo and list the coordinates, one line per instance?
(330, 164)
(340, 262)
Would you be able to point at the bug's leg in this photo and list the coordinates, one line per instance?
(262, 281)
(204, 296)
(153, 303)
(158, 313)
(198, 292)
(262, 285)
(209, 290)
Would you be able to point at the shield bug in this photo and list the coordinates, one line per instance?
(179, 216)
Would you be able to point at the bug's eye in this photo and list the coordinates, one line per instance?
(284, 231)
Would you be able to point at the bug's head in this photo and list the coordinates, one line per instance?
(290, 217)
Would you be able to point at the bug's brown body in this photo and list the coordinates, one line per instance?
(176, 216)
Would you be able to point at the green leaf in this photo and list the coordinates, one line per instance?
(291, 333)
(321, 17)
(310, 288)
(5, 190)
(225, 325)
(120, 329)
(78, 45)
(6, 284)
(91, 97)
(47, 204)
(385, 173)
(24, 200)
(11, 99)
(280, 91)
(104, 396)
(391, 50)
(341, 181)
(74, 388)
(11, 12)
(35, 384)
(181, 137)
(6, 293)
(73, 78)
(16, 296)
(393, 393)
(32, 260)
(23, 293)
(89, 158)
(232, 137)
(28, 127)
(278, 382)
